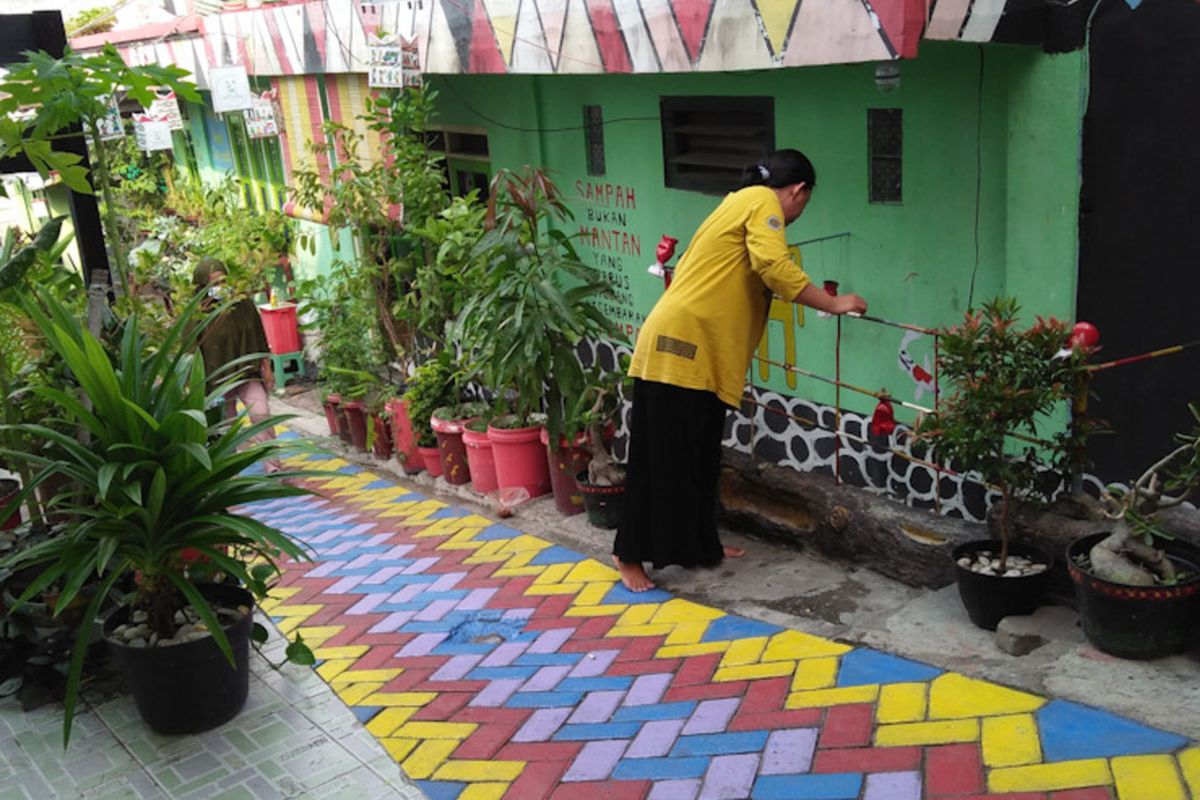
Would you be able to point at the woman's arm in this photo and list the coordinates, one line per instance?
(815, 297)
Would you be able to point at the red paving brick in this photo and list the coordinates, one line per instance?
(867, 759)
(953, 769)
(847, 726)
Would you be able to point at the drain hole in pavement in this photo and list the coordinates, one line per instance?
(485, 628)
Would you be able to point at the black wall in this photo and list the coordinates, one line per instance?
(1139, 276)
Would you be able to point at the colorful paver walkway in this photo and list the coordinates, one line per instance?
(491, 664)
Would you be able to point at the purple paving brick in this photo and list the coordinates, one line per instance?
(435, 610)
(496, 693)
(446, 582)
(378, 539)
(365, 560)
(893, 786)
(595, 761)
(359, 530)
(503, 655)
(392, 622)
(594, 664)
(675, 790)
(655, 739)
(542, 724)
(476, 600)
(409, 592)
(344, 547)
(711, 716)
(730, 777)
(345, 585)
(549, 641)
(422, 644)
(419, 566)
(789, 751)
(382, 576)
(323, 569)
(597, 706)
(546, 678)
(648, 689)
(397, 551)
(367, 604)
(456, 667)
(517, 613)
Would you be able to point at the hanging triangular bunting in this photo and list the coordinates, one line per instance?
(692, 18)
(485, 50)
(777, 17)
(503, 16)
(554, 18)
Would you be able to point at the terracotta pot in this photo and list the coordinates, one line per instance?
(565, 462)
(450, 445)
(382, 446)
(481, 461)
(520, 459)
(330, 405)
(404, 440)
(356, 416)
(431, 459)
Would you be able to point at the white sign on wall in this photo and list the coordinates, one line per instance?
(261, 119)
(394, 62)
(230, 89)
(110, 125)
(152, 134)
(166, 107)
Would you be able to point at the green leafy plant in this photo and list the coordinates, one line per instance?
(536, 302)
(336, 305)
(431, 387)
(1007, 383)
(595, 412)
(443, 282)
(91, 20)
(155, 484)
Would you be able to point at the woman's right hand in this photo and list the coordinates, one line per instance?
(850, 304)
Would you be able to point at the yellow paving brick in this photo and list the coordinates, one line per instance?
(1189, 762)
(639, 614)
(353, 694)
(353, 651)
(476, 771)
(645, 630)
(288, 624)
(428, 757)
(953, 696)
(302, 611)
(589, 571)
(684, 650)
(516, 572)
(593, 594)
(484, 791)
(794, 645)
(486, 552)
(676, 610)
(357, 675)
(525, 544)
(594, 611)
(821, 698)
(688, 633)
(387, 721)
(316, 636)
(962, 730)
(554, 573)
(399, 748)
(334, 667)
(814, 673)
(436, 730)
(901, 702)
(744, 651)
(751, 672)
(416, 699)
(1011, 741)
(1147, 778)
(553, 588)
(1050, 777)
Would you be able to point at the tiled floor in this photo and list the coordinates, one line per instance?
(491, 664)
(295, 738)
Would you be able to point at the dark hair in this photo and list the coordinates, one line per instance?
(781, 168)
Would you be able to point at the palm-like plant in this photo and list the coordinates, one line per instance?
(155, 486)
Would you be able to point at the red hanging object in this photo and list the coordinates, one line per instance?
(665, 249)
(1085, 335)
(883, 421)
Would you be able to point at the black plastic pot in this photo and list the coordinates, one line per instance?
(189, 688)
(990, 598)
(603, 504)
(1137, 621)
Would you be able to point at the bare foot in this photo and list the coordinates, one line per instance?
(733, 552)
(633, 576)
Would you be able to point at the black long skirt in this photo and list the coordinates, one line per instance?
(671, 479)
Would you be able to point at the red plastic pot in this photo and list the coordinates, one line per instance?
(356, 417)
(481, 461)
(403, 439)
(449, 434)
(520, 459)
(330, 404)
(565, 462)
(281, 327)
(431, 459)
(343, 420)
(9, 489)
(382, 446)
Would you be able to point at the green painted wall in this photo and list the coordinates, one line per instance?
(1010, 139)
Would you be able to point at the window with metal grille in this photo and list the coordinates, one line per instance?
(593, 137)
(885, 142)
(466, 158)
(709, 141)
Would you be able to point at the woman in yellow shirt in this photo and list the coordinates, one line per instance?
(690, 362)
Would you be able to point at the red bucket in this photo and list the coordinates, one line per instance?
(282, 329)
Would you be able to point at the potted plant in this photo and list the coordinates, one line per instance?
(1007, 383)
(381, 424)
(480, 460)
(152, 512)
(521, 327)
(430, 387)
(448, 423)
(1137, 586)
(602, 483)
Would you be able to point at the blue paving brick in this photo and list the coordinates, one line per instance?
(619, 595)
(1070, 730)
(350, 469)
(449, 512)
(320, 456)
(719, 744)
(555, 555)
(609, 684)
(501, 673)
(835, 786)
(444, 626)
(728, 628)
(365, 713)
(380, 484)
(655, 769)
(601, 730)
(680, 710)
(461, 648)
(441, 790)
(864, 666)
(544, 699)
(547, 659)
(495, 532)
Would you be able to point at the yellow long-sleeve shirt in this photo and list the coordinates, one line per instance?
(703, 331)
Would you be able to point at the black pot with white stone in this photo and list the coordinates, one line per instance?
(990, 594)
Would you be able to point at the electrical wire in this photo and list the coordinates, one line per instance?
(978, 175)
(521, 129)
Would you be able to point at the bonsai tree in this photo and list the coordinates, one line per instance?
(595, 412)
(1129, 555)
(536, 301)
(155, 486)
(1007, 385)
